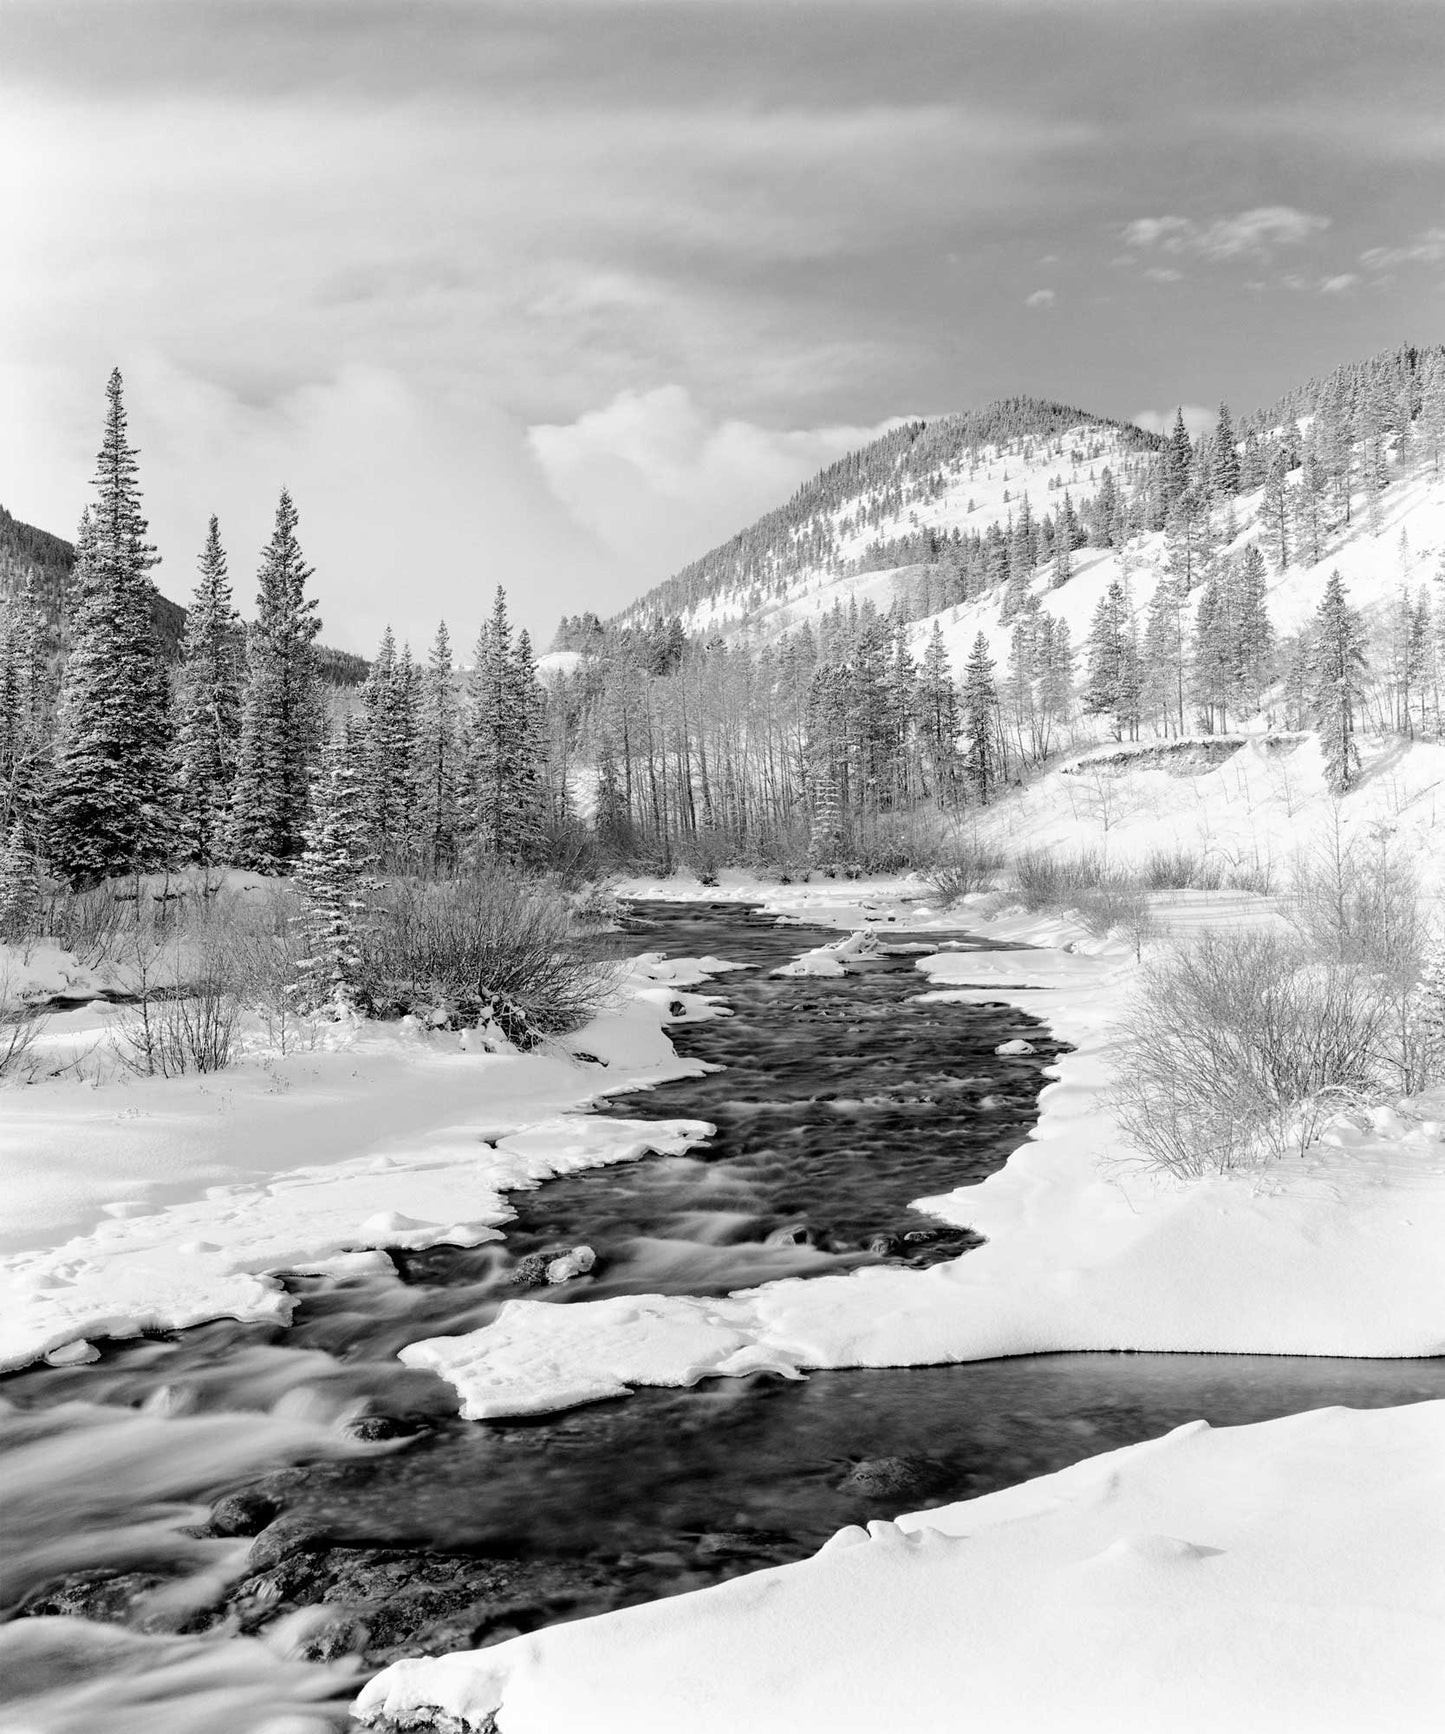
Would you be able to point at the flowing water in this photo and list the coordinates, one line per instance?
(138, 1484)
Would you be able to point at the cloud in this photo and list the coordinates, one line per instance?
(1040, 298)
(1338, 285)
(1163, 274)
(1427, 248)
(658, 481)
(1197, 418)
(1252, 234)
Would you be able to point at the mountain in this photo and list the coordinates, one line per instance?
(893, 508)
(25, 550)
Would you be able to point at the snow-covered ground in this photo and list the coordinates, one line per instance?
(1283, 1576)
(135, 1203)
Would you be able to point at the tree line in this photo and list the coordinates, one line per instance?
(108, 765)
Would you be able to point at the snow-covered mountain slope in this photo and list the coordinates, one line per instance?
(1406, 549)
(961, 473)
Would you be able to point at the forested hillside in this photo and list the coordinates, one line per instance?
(878, 506)
(877, 647)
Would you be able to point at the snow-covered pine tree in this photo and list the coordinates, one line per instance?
(1274, 508)
(1188, 540)
(1432, 410)
(1114, 677)
(938, 721)
(332, 877)
(1253, 653)
(504, 742)
(983, 763)
(26, 720)
(111, 808)
(1338, 683)
(1056, 676)
(1163, 657)
(19, 886)
(390, 701)
(437, 756)
(209, 708)
(280, 708)
(1178, 460)
(1224, 469)
(529, 777)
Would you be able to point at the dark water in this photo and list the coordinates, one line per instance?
(838, 1102)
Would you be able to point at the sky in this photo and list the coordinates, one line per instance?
(557, 294)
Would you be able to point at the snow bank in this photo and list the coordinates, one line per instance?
(182, 1196)
(1282, 1575)
(1338, 1253)
(833, 958)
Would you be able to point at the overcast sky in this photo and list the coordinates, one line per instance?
(559, 293)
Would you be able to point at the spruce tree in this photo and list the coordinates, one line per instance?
(982, 755)
(1253, 655)
(209, 708)
(505, 792)
(26, 723)
(19, 886)
(938, 720)
(1274, 508)
(388, 752)
(1224, 475)
(1114, 679)
(331, 876)
(280, 708)
(1338, 683)
(111, 805)
(1163, 657)
(437, 756)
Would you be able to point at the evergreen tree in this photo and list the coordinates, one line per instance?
(210, 707)
(438, 750)
(1178, 461)
(280, 708)
(111, 806)
(19, 887)
(1224, 475)
(1338, 684)
(505, 787)
(938, 721)
(1163, 657)
(1253, 653)
(387, 751)
(1274, 509)
(1114, 678)
(331, 876)
(26, 724)
(1056, 676)
(982, 755)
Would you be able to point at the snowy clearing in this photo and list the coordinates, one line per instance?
(1282, 1575)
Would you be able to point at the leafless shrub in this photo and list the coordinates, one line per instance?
(484, 945)
(964, 866)
(1120, 905)
(20, 1027)
(1358, 902)
(1050, 879)
(186, 1014)
(1180, 869)
(1236, 1047)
